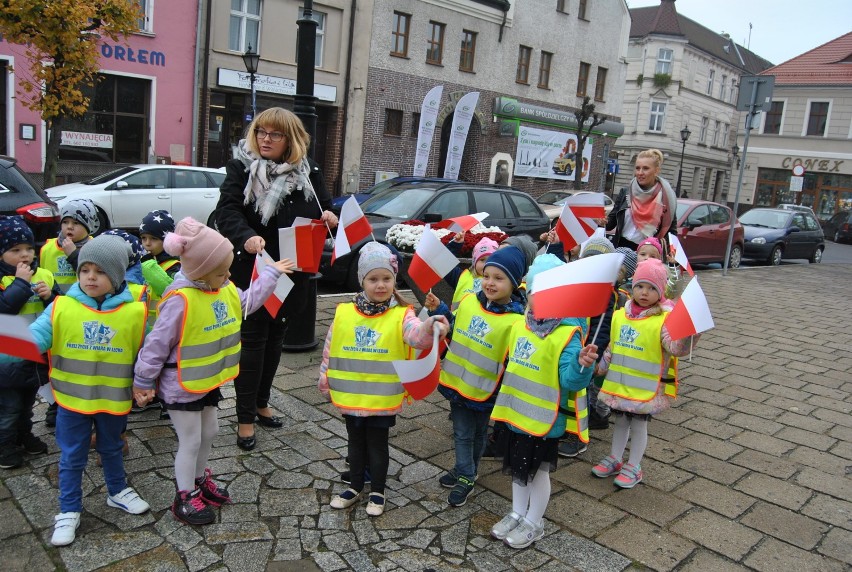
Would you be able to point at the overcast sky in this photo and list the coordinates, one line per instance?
(782, 29)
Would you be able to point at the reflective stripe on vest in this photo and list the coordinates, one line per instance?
(475, 358)
(208, 353)
(92, 355)
(530, 396)
(34, 306)
(52, 258)
(360, 373)
(464, 286)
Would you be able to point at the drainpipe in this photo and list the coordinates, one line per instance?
(205, 76)
(347, 84)
(195, 118)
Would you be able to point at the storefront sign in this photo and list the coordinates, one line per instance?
(272, 84)
(513, 109)
(549, 154)
(125, 54)
(79, 139)
(824, 165)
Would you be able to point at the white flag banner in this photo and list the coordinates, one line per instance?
(428, 118)
(458, 134)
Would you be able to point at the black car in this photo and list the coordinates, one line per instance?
(839, 227)
(20, 196)
(514, 211)
(775, 234)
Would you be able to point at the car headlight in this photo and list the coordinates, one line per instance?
(758, 240)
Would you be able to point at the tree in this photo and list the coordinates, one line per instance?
(586, 112)
(61, 39)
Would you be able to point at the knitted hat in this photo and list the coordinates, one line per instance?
(653, 241)
(83, 211)
(653, 272)
(511, 261)
(596, 245)
(484, 247)
(14, 231)
(110, 253)
(525, 244)
(136, 249)
(376, 255)
(201, 249)
(629, 262)
(541, 263)
(157, 224)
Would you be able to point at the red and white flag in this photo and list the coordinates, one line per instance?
(462, 223)
(576, 290)
(577, 221)
(431, 262)
(680, 254)
(16, 339)
(282, 287)
(691, 315)
(352, 227)
(419, 377)
(302, 243)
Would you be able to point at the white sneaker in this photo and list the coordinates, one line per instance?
(65, 528)
(509, 523)
(128, 501)
(524, 534)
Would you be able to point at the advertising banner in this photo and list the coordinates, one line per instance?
(428, 116)
(550, 154)
(458, 135)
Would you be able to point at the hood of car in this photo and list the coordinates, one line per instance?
(752, 232)
(62, 190)
(360, 197)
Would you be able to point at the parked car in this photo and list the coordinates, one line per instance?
(703, 227)
(553, 211)
(772, 235)
(337, 202)
(552, 197)
(514, 211)
(125, 195)
(21, 196)
(839, 227)
(792, 207)
(563, 166)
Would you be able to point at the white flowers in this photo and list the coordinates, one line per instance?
(405, 237)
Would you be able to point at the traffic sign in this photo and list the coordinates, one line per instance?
(798, 170)
(796, 183)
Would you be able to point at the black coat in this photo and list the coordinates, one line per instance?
(615, 220)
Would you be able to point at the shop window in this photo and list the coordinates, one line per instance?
(523, 73)
(583, 79)
(817, 118)
(600, 84)
(664, 61)
(467, 54)
(399, 34)
(320, 18)
(544, 70)
(435, 43)
(393, 122)
(772, 123)
(244, 28)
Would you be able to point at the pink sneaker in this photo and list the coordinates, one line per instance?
(629, 477)
(609, 466)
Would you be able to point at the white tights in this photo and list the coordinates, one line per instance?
(634, 429)
(195, 431)
(530, 500)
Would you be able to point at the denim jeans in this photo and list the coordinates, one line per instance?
(73, 435)
(470, 432)
(16, 411)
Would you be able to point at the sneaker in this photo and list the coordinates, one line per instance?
(461, 490)
(597, 421)
(376, 506)
(509, 523)
(448, 480)
(212, 494)
(11, 458)
(609, 466)
(190, 508)
(345, 499)
(65, 525)
(571, 446)
(524, 534)
(346, 477)
(33, 445)
(128, 501)
(50, 417)
(629, 477)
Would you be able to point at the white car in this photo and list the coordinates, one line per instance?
(127, 194)
(553, 211)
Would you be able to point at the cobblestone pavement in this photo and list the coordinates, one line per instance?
(750, 470)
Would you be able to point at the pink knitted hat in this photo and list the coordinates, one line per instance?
(653, 272)
(484, 247)
(653, 241)
(201, 249)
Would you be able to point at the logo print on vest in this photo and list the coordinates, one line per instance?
(63, 266)
(524, 349)
(97, 334)
(627, 334)
(366, 337)
(478, 327)
(220, 310)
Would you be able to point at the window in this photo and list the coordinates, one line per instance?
(450, 204)
(700, 215)
(146, 7)
(811, 223)
(319, 18)
(399, 34)
(562, 6)
(525, 206)
(524, 55)
(468, 51)
(817, 118)
(716, 133)
(492, 203)
(415, 124)
(191, 180)
(583, 79)
(664, 61)
(710, 79)
(245, 25)
(658, 116)
(733, 95)
(150, 179)
(581, 10)
(435, 43)
(702, 133)
(719, 215)
(393, 122)
(723, 139)
(600, 84)
(772, 122)
(544, 70)
(723, 87)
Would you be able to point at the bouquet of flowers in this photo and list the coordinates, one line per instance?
(406, 235)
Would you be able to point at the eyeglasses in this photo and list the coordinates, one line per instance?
(274, 136)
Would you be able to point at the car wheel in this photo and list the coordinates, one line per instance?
(816, 257)
(736, 256)
(775, 256)
(103, 221)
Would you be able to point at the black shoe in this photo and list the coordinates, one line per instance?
(189, 507)
(32, 445)
(11, 458)
(246, 443)
(50, 415)
(272, 421)
(596, 421)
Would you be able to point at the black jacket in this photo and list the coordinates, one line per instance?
(615, 220)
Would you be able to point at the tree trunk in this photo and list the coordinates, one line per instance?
(51, 154)
(578, 163)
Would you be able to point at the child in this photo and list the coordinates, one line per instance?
(133, 276)
(93, 334)
(466, 281)
(624, 283)
(25, 290)
(540, 399)
(158, 266)
(378, 326)
(641, 344)
(79, 219)
(470, 370)
(193, 349)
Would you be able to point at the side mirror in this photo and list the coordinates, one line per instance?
(795, 229)
(432, 218)
(692, 223)
(121, 185)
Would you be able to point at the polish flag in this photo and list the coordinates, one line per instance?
(431, 262)
(577, 221)
(462, 223)
(282, 288)
(680, 253)
(303, 243)
(352, 227)
(419, 377)
(691, 315)
(16, 339)
(576, 290)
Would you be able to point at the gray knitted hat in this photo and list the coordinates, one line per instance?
(525, 244)
(83, 211)
(111, 253)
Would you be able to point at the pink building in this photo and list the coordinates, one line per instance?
(141, 109)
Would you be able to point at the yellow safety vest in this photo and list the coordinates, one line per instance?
(92, 355)
(360, 373)
(530, 395)
(463, 288)
(208, 353)
(475, 358)
(637, 358)
(153, 299)
(138, 291)
(34, 306)
(52, 258)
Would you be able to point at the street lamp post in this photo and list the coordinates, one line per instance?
(251, 59)
(684, 135)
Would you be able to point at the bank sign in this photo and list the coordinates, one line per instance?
(549, 154)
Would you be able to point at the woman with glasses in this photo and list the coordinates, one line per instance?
(269, 183)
